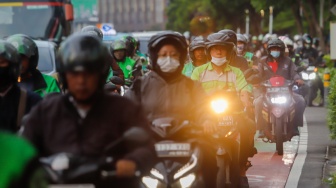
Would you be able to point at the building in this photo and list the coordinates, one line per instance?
(133, 15)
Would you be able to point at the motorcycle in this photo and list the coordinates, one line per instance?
(179, 155)
(227, 107)
(278, 111)
(312, 79)
(69, 170)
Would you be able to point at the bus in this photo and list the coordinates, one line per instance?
(39, 19)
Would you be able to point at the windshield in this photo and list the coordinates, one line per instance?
(31, 20)
(45, 63)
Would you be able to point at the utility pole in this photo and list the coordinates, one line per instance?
(270, 27)
(247, 26)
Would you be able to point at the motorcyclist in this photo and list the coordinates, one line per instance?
(142, 56)
(237, 61)
(165, 92)
(261, 52)
(19, 164)
(242, 44)
(14, 102)
(196, 54)
(115, 69)
(219, 74)
(127, 65)
(86, 120)
(32, 79)
(276, 63)
(131, 46)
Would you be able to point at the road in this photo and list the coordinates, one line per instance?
(303, 159)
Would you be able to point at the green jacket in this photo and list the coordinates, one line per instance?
(188, 69)
(127, 67)
(211, 81)
(18, 153)
(109, 75)
(51, 86)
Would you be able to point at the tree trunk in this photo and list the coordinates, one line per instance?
(318, 29)
(298, 19)
(311, 30)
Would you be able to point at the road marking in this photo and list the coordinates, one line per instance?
(295, 173)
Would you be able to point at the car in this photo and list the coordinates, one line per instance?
(143, 38)
(47, 62)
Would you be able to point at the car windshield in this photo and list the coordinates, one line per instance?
(32, 20)
(45, 63)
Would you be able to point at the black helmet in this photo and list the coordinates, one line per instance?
(231, 34)
(80, 52)
(307, 39)
(130, 44)
(316, 41)
(220, 39)
(167, 37)
(242, 38)
(198, 42)
(9, 53)
(93, 30)
(27, 47)
(275, 42)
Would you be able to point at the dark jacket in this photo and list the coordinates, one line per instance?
(286, 68)
(239, 62)
(9, 105)
(308, 53)
(55, 126)
(180, 98)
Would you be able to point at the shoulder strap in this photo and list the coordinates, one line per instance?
(22, 106)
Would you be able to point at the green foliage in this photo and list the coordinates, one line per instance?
(331, 118)
(331, 181)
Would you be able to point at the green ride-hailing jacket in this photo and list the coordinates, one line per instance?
(127, 67)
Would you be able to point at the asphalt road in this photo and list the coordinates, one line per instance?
(303, 159)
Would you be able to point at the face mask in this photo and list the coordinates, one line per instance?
(275, 54)
(168, 64)
(218, 61)
(240, 48)
(5, 78)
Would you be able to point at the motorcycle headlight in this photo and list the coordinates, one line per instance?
(150, 182)
(187, 181)
(312, 76)
(305, 76)
(278, 100)
(219, 105)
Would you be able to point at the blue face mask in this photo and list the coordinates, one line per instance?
(275, 54)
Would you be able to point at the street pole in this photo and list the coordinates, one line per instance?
(321, 13)
(262, 14)
(270, 31)
(247, 26)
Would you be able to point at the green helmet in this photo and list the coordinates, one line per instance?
(118, 45)
(27, 47)
(9, 53)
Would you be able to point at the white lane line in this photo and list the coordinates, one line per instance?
(295, 173)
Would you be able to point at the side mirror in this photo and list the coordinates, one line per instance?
(136, 135)
(116, 80)
(68, 10)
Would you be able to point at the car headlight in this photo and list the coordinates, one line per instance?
(187, 181)
(305, 76)
(219, 105)
(150, 182)
(278, 100)
(312, 76)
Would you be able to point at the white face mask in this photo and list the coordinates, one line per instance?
(218, 61)
(168, 64)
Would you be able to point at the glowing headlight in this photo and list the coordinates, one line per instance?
(219, 105)
(305, 76)
(187, 180)
(150, 182)
(279, 100)
(312, 76)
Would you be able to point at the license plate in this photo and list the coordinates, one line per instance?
(277, 89)
(72, 186)
(173, 149)
(226, 121)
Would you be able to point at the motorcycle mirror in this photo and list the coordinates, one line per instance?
(136, 135)
(116, 80)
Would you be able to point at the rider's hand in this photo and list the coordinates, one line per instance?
(300, 82)
(125, 168)
(209, 127)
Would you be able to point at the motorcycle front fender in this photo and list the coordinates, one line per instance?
(278, 112)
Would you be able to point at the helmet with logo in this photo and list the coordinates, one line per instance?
(93, 30)
(307, 39)
(266, 38)
(26, 47)
(83, 52)
(230, 35)
(10, 54)
(167, 37)
(118, 45)
(275, 42)
(198, 42)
